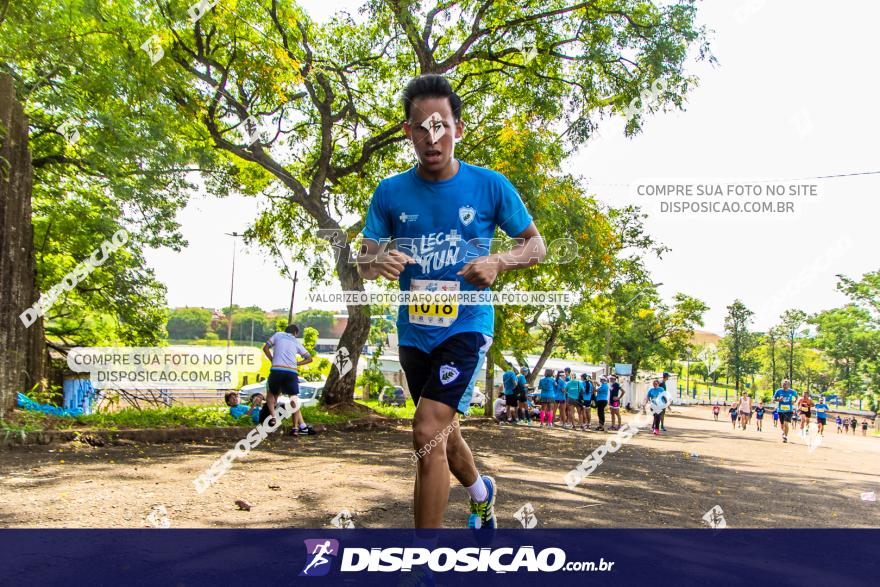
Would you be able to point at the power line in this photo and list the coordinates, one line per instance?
(833, 176)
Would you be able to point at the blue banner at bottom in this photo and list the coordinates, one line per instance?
(184, 558)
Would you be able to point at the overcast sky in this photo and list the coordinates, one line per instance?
(795, 96)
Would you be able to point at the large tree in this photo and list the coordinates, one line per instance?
(739, 343)
(306, 116)
(791, 324)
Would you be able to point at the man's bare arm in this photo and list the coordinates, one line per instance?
(377, 260)
(530, 250)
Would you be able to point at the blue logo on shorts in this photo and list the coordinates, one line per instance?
(319, 554)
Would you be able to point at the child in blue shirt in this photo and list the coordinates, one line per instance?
(236, 410)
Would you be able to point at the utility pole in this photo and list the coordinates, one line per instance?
(231, 285)
(292, 294)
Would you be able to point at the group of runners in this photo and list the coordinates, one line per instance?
(563, 399)
(791, 407)
(853, 424)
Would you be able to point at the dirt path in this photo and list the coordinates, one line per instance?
(650, 482)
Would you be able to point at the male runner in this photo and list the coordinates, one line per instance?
(784, 398)
(839, 422)
(437, 211)
(282, 349)
(759, 415)
(509, 379)
(663, 415)
(822, 415)
(805, 405)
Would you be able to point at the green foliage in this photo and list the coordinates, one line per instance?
(329, 95)
(189, 323)
(310, 339)
(739, 344)
(319, 368)
(321, 320)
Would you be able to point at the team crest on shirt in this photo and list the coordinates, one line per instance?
(466, 214)
(448, 374)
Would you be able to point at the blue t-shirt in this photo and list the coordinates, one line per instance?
(242, 410)
(443, 225)
(547, 385)
(588, 390)
(821, 410)
(573, 389)
(654, 394)
(602, 392)
(785, 399)
(520, 379)
(560, 389)
(759, 413)
(509, 379)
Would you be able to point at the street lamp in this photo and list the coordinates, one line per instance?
(231, 285)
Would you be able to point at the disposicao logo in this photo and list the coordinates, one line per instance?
(320, 553)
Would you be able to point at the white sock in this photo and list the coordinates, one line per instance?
(478, 491)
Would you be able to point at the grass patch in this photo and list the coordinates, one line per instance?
(22, 421)
(407, 411)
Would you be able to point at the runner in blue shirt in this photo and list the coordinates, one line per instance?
(430, 228)
(572, 400)
(784, 398)
(759, 415)
(509, 381)
(547, 387)
(559, 396)
(589, 387)
(657, 404)
(839, 423)
(602, 401)
(821, 414)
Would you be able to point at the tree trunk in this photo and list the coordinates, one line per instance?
(555, 327)
(341, 390)
(24, 363)
(488, 409)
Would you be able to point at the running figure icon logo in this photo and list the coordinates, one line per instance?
(715, 518)
(526, 516)
(319, 554)
(343, 520)
(434, 125)
(466, 214)
(342, 361)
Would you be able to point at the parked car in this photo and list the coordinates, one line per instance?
(310, 392)
(392, 396)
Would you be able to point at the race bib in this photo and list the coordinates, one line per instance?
(433, 314)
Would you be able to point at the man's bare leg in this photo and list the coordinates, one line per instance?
(460, 458)
(431, 492)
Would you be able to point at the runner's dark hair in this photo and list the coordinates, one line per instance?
(292, 329)
(430, 85)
